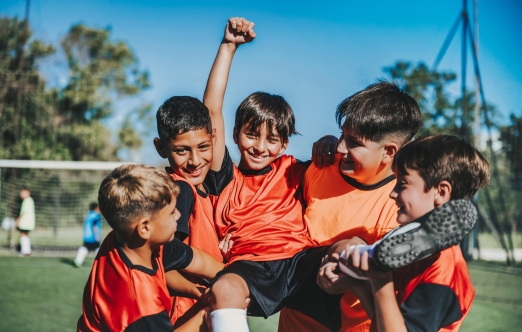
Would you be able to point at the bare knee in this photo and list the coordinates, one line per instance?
(229, 291)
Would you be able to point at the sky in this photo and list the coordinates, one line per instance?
(314, 54)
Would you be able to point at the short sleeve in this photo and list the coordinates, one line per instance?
(185, 205)
(430, 307)
(216, 181)
(176, 255)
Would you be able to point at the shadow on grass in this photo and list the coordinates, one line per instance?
(67, 261)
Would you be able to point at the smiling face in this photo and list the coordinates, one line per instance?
(258, 148)
(189, 155)
(362, 159)
(164, 223)
(412, 198)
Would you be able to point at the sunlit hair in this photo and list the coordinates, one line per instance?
(264, 108)
(445, 157)
(181, 114)
(379, 111)
(130, 191)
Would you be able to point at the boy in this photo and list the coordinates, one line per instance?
(272, 256)
(91, 234)
(126, 290)
(431, 290)
(25, 221)
(350, 199)
(186, 140)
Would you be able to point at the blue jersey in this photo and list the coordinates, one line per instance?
(92, 219)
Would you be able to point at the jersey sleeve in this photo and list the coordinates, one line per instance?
(216, 181)
(176, 255)
(184, 204)
(430, 307)
(159, 322)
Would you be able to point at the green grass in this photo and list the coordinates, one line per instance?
(45, 293)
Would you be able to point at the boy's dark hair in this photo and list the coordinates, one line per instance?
(260, 108)
(133, 190)
(25, 188)
(379, 111)
(181, 114)
(93, 206)
(445, 157)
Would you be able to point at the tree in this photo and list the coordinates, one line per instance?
(511, 137)
(66, 122)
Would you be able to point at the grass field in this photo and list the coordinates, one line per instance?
(44, 294)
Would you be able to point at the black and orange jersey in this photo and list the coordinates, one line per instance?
(435, 294)
(120, 296)
(197, 224)
(262, 210)
(337, 208)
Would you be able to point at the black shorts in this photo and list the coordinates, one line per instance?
(91, 246)
(274, 284)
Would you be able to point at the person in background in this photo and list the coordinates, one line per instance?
(25, 221)
(91, 234)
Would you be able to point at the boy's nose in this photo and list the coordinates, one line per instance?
(195, 159)
(341, 146)
(260, 145)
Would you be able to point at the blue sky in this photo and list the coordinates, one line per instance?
(313, 53)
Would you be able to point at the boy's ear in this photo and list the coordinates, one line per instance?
(443, 193)
(283, 147)
(236, 135)
(143, 228)
(159, 148)
(390, 150)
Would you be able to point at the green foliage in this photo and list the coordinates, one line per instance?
(65, 123)
(511, 137)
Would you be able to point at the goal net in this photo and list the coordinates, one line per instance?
(62, 192)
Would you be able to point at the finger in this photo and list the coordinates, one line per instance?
(333, 151)
(246, 24)
(314, 154)
(233, 23)
(326, 153)
(230, 243)
(356, 257)
(220, 245)
(239, 25)
(364, 261)
(320, 155)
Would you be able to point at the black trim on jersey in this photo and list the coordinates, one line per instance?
(184, 204)
(158, 322)
(176, 255)
(216, 181)
(305, 164)
(430, 307)
(129, 264)
(366, 187)
(254, 172)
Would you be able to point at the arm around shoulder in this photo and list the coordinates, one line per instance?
(203, 265)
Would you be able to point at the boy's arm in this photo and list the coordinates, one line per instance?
(178, 285)
(198, 322)
(203, 265)
(387, 313)
(238, 31)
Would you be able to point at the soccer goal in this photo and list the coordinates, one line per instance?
(62, 192)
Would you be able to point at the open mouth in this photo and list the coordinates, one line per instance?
(196, 172)
(257, 157)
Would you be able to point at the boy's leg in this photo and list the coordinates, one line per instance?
(80, 255)
(25, 243)
(229, 299)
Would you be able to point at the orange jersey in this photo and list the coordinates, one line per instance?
(436, 292)
(202, 235)
(340, 208)
(264, 213)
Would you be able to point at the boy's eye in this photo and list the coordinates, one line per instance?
(180, 151)
(204, 147)
(273, 139)
(251, 135)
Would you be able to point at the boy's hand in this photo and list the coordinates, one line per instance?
(361, 265)
(324, 150)
(332, 281)
(225, 245)
(239, 31)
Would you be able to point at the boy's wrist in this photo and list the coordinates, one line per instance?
(378, 282)
(229, 45)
